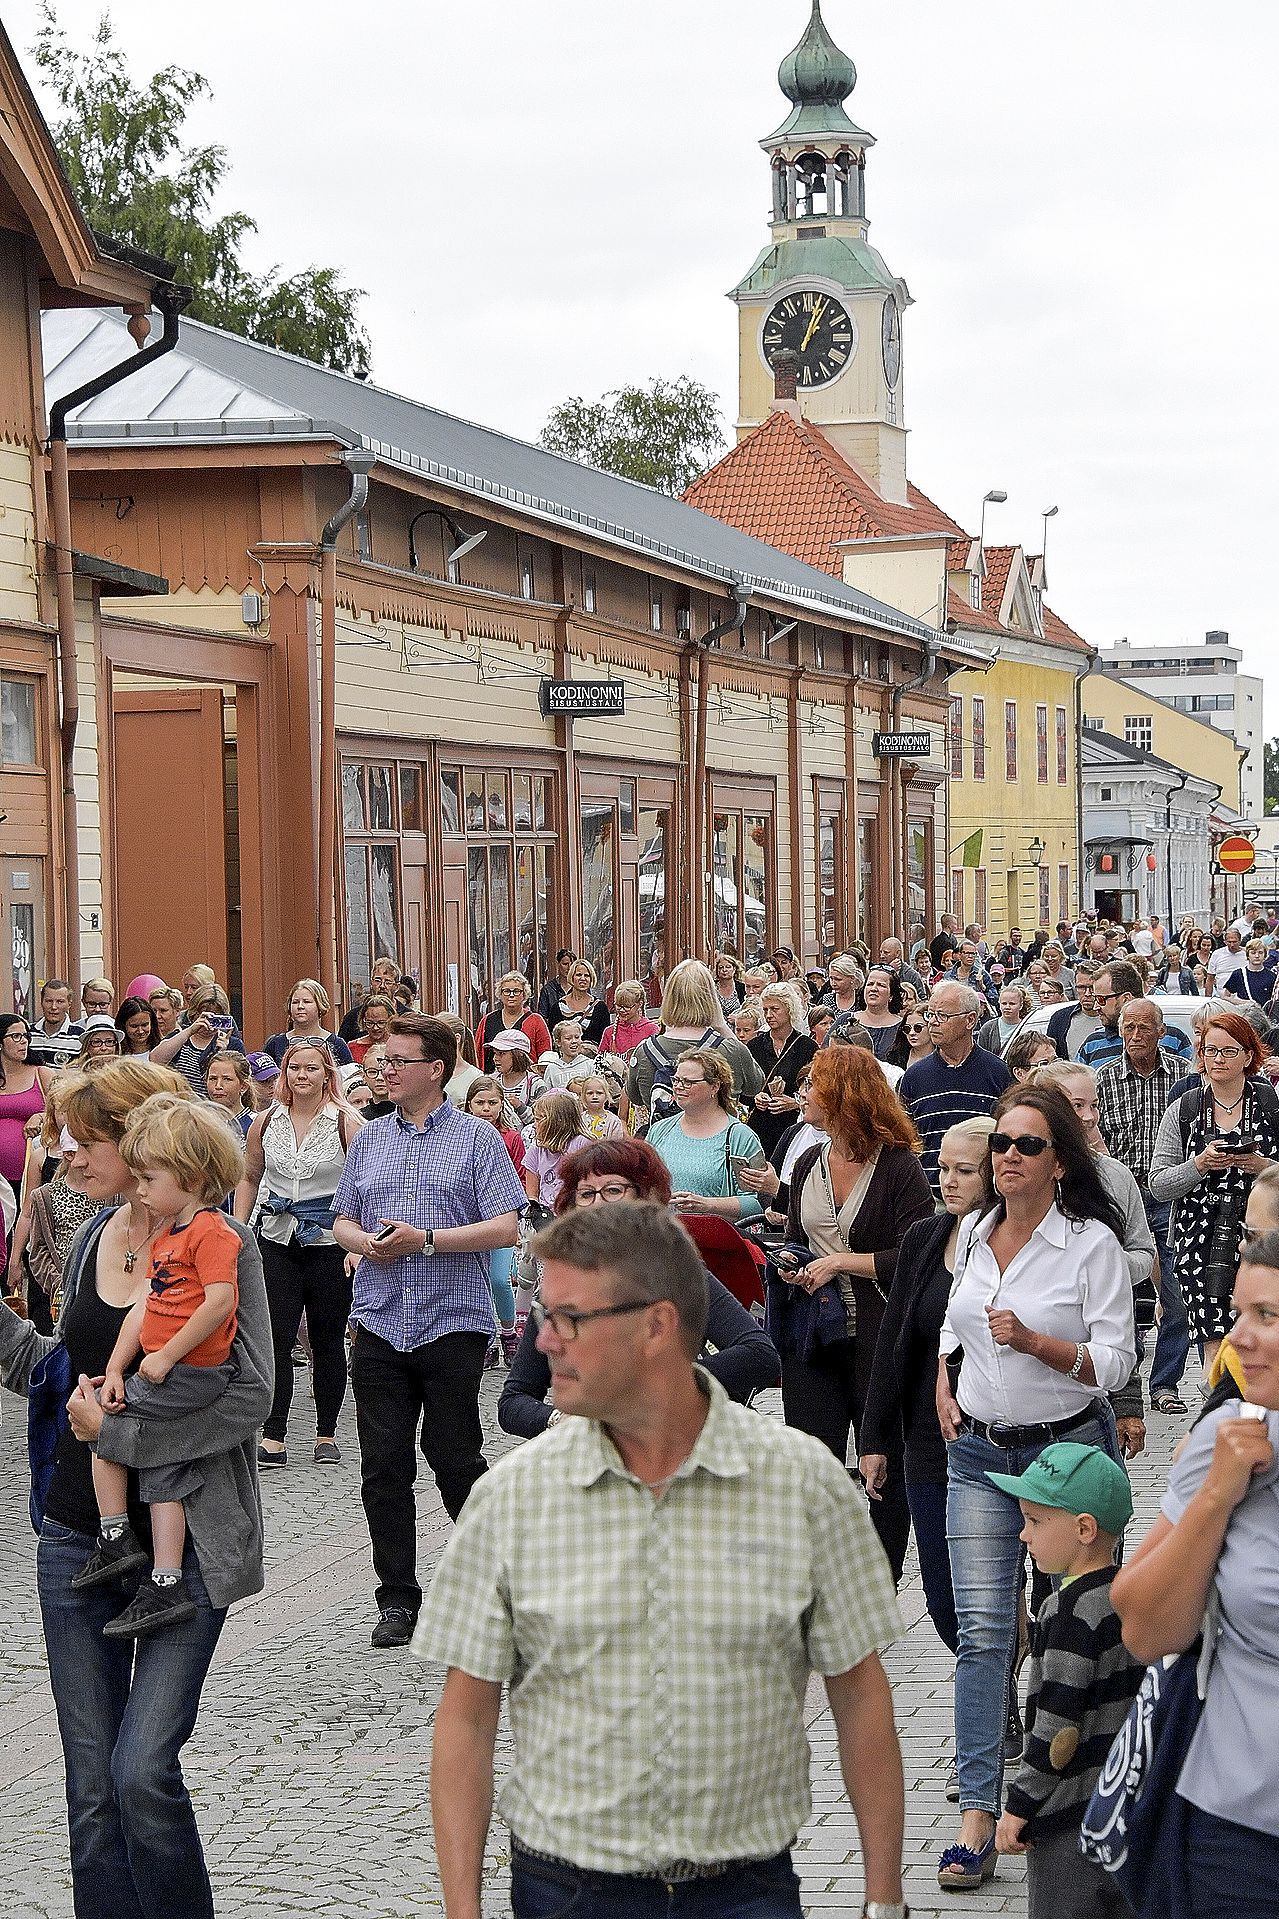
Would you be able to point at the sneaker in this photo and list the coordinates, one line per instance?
(151, 1609)
(110, 1559)
(1014, 1731)
(510, 1344)
(952, 1783)
(492, 1356)
(394, 1628)
(268, 1458)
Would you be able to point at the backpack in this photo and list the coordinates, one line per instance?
(661, 1098)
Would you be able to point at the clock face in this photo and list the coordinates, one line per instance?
(818, 328)
(892, 343)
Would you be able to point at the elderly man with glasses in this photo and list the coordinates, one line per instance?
(426, 1193)
(960, 1080)
(656, 1579)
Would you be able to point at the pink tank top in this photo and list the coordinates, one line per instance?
(15, 1110)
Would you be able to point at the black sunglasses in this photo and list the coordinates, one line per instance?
(1029, 1145)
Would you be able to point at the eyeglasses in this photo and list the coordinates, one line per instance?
(913, 1032)
(1029, 1145)
(935, 1019)
(398, 1062)
(615, 1190)
(683, 1085)
(565, 1320)
(1102, 998)
(1222, 1052)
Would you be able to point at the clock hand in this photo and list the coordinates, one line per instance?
(813, 324)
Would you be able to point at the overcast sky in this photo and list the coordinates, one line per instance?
(551, 199)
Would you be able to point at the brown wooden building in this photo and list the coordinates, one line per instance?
(737, 799)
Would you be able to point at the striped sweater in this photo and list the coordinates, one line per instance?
(1082, 1682)
(938, 1096)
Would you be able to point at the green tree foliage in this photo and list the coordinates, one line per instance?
(664, 434)
(1271, 776)
(136, 180)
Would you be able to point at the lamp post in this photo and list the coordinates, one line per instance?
(996, 497)
(1035, 851)
(1049, 513)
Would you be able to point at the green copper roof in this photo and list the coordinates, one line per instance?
(818, 78)
(851, 264)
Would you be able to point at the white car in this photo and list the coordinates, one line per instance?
(1178, 1010)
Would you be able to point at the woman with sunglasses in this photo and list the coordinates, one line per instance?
(919, 1045)
(612, 1172)
(1042, 1311)
(1211, 1144)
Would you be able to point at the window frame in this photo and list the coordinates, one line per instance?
(1010, 741)
(979, 742)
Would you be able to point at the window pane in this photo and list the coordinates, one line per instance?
(755, 867)
(411, 799)
(523, 815)
(474, 801)
(358, 958)
(381, 800)
(543, 809)
(917, 848)
(828, 837)
(495, 792)
(17, 723)
(626, 806)
(724, 869)
(352, 799)
(477, 890)
(653, 832)
(451, 800)
(597, 883)
(544, 904)
(386, 912)
(865, 857)
(526, 915)
(500, 910)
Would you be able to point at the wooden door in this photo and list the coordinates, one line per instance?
(169, 832)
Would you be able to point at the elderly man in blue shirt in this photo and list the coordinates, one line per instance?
(427, 1192)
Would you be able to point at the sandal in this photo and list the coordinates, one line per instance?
(326, 1453)
(1168, 1401)
(963, 1870)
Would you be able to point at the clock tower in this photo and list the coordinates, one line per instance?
(819, 289)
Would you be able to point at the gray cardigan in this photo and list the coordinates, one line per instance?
(224, 1514)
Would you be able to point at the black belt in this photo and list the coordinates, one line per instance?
(1012, 1438)
(677, 1873)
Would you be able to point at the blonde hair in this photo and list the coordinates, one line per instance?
(189, 1139)
(557, 1121)
(690, 998)
(632, 992)
(717, 1071)
(239, 1065)
(98, 1106)
(1055, 1072)
(793, 1000)
(205, 975)
(1267, 1182)
(317, 992)
(209, 999)
(584, 963)
(97, 986)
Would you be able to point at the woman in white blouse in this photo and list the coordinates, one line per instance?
(294, 1156)
(1042, 1310)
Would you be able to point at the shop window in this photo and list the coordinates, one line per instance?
(865, 871)
(599, 883)
(18, 722)
(451, 800)
(508, 820)
(1063, 736)
(1010, 739)
(371, 821)
(1041, 745)
(979, 738)
(522, 811)
(742, 870)
(832, 935)
(655, 839)
(411, 820)
(626, 806)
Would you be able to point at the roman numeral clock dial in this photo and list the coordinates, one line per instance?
(816, 327)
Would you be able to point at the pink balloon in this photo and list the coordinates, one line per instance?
(143, 986)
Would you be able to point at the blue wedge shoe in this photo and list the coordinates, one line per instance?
(963, 1870)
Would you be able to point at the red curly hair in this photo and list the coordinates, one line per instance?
(1242, 1033)
(858, 1107)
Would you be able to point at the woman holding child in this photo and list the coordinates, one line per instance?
(126, 1708)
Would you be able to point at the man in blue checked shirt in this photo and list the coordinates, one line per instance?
(427, 1192)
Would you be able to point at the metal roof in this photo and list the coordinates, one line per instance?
(217, 387)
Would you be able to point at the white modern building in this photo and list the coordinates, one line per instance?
(1206, 681)
(1147, 833)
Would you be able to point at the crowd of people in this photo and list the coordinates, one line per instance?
(949, 1197)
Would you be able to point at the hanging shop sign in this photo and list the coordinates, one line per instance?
(580, 699)
(901, 746)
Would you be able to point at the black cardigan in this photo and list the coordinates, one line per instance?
(906, 1358)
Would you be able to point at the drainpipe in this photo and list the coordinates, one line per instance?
(898, 878)
(170, 300)
(698, 796)
(358, 464)
(1168, 799)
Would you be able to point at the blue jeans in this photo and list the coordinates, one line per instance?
(927, 1502)
(1232, 1872)
(1172, 1344)
(540, 1890)
(124, 1716)
(986, 1560)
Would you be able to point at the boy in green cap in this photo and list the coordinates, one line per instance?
(1075, 1502)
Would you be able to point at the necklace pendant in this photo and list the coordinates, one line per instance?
(130, 1260)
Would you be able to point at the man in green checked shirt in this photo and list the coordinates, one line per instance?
(655, 1579)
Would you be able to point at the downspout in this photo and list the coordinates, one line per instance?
(1168, 799)
(897, 879)
(170, 299)
(1081, 673)
(698, 797)
(358, 464)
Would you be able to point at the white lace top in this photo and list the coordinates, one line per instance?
(309, 1171)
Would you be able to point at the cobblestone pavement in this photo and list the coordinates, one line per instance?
(309, 1764)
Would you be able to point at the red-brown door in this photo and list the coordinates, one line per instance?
(169, 832)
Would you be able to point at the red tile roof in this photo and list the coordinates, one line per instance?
(1059, 634)
(999, 564)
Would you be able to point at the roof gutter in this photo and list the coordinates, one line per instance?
(359, 463)
(698, 800)
(170, 299)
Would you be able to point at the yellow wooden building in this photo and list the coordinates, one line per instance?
(1117, 706)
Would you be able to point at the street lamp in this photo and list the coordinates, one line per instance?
(1049, 513)
(1035, 851)
(996, 497)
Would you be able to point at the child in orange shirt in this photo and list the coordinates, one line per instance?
(185, 1159)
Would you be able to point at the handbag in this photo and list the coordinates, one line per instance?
(1135, 1825)
(48, 1390)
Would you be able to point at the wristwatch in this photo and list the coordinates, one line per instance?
(882, 1909)
(428, 1242)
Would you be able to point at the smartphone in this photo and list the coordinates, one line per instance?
(747, 1162)
(1237, 1148)
(387, 1232)
(220, 1022)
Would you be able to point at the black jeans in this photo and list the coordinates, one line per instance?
(438, 1388)
(312, 1278)
(826, 1396)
